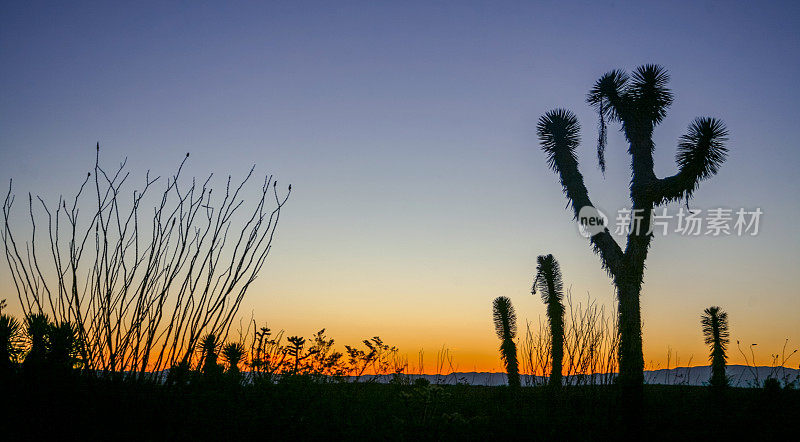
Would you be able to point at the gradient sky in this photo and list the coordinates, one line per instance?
(408, 133)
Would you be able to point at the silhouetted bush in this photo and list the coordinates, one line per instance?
(590, 346)
(138, 286)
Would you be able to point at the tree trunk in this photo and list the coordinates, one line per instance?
(631, 359)
(629, 286)
(557, 340)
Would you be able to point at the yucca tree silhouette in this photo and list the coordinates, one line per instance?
(639, 103)
(715, 331)
(505, 325)
(233, 354)
(37, 327)
(548, 282)
(208, 348)
(10, 336)
(62, 346)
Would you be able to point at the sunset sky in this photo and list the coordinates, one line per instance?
(407, 131)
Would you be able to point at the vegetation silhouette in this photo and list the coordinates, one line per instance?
(638, 103)
(505, 325)
(37, 328)
(295, 350)
(590, 346)
(132, 290)
(549, 283)
(10, 341)
(120, 371)
(715, 332)
(309, 399)
(233, 354)
(209, 348)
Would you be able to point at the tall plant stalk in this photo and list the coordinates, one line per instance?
(505, 325)
(549, 283)
(715, 332)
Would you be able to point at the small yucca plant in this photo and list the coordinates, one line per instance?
(37, 331)
(10, 337)
(62, 346)
(233, 354)
(208, 349)
(505, 325)
(548, 282)
(715, 331)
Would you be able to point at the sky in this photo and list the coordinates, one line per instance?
(407, 131)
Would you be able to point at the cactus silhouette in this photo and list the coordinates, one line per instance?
(715, 331)
(505, 324)
(296, 351)
(639, 104)
(548, 282)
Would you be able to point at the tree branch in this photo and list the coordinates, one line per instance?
(558, 133)
(700, 154)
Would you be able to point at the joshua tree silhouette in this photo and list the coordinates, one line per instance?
(715, 330)
(639, 104)
(548, 281)
(505, 324)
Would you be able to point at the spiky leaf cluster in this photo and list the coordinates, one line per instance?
(715, 325)
(559, 133)
(233, 354)
(648, 93)
(607, 86)
(548, 273)
(641, 99)
(505, 319)
(702, 150)
(10, 339)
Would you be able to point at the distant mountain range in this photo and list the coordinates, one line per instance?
(739, 375)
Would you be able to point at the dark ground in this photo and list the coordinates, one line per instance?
(301, 410)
